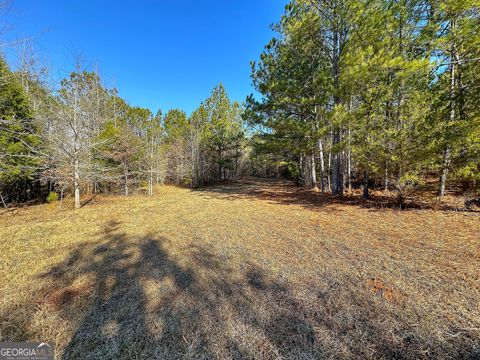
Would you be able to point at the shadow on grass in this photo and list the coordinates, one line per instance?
(88, 201)
(286, 193)
(130, 298)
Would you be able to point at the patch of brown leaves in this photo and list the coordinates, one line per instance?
(380, 288)
(65, 296)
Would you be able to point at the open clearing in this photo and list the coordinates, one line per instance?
(252, 270)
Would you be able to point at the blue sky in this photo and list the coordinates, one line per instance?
(159, 54)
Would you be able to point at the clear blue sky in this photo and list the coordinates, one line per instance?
(159, 54)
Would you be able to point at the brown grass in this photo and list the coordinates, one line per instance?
(252, 270)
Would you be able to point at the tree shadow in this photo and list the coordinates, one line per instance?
(88, 201)
(114, 327)
(285, 192)
(132, 297)
(272, 190)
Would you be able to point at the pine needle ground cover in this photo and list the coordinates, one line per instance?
(251, 270)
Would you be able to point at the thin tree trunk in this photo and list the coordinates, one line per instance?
(337, 183)
(365, 185)
(349, 159)
(337, 173)
(126, 180)
(76, 183)
(302, 172)
(322, 165)
(386, 178)
(313, 173)
(193, 146)
(329, 175)
(445, 167)
(76, 164)
(447, 151)
(3, 201)
(150, 182)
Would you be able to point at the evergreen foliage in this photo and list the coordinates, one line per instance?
(386, 88)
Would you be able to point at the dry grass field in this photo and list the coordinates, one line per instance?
(251, 270)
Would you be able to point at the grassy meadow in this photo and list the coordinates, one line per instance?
(249, 270)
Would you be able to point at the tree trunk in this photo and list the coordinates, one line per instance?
(365, 185)
(76, 183)
(447, 151)
(443, 176)
(194, 159)
(386, 178)
(322, 165)
(302, 171)
(349, 159)
(150, 182)
(337, 181)
(126, 181)
(337, 173)
(3, 201)
(329, 174)
(313, 173)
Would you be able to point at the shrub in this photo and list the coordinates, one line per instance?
(52, 197)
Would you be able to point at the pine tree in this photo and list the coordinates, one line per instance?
(19, 139)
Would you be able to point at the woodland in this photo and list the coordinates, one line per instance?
(331, 214)
(349, 95)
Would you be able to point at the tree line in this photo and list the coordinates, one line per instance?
(368, 93)
(350, 93)
(82, 137)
